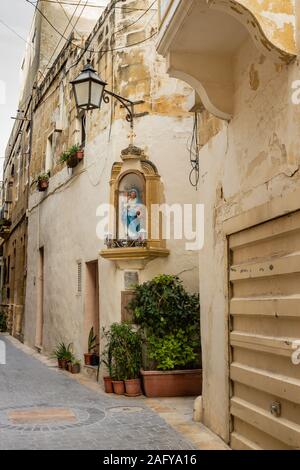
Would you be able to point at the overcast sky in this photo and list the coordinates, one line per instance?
(17, 14)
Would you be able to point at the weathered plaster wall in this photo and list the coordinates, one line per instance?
(277, 19)
(253, 160)
(65, 225)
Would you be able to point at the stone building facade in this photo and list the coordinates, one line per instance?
(73, 281)
(43, 46)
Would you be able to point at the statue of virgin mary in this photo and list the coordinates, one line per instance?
(132, 214)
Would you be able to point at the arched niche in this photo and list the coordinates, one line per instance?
(131, 207)
(135, 186)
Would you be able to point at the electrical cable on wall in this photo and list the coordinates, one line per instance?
(194, 151)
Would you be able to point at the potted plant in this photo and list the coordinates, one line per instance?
(72, 156)
(92, 358)
(169, 318)
(43, 182)
(122, 357)
(74, 366)
(133, 344)
(80, 153)
(63, 354)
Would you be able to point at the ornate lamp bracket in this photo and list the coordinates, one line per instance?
(127, 104)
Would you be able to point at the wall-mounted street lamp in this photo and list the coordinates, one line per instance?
(90, 91)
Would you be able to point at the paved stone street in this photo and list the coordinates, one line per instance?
(85, 419)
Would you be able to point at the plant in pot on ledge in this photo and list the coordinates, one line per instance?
(63, 354)
(74, 366)
(43, 182)
(169, 318)
(92, 357)
(72, 156)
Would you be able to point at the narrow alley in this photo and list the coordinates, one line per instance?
(44, 408)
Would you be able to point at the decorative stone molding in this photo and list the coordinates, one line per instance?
(128, 253)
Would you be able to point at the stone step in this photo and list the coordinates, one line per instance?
(90, 371)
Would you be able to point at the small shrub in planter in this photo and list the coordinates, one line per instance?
(43, 182)
(123, 357)
(63, 354)
(91, 358)
(170, 320)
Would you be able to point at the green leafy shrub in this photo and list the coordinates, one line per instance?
(3, 322)
(163, 305)
(174, 350)
(123, 351)
(170, 319)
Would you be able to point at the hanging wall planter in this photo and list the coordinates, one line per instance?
(80, 155)
(72, 161)
(43, 182)
(72, 156)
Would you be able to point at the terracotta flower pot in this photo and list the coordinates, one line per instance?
(60, 363)
(75, 369)
(176, 383)
(80, 155)
(64, 364)
(119, 387)
(88, 359)
(108, 385)
(72, 161)
(43, 185)
(133, 387)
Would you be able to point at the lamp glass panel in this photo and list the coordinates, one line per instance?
(96, 94)
(82, 93)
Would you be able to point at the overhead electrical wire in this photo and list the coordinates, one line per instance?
(137, 20)
(83, 48)
(66, 28)
(90, 5)
(69, 18)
